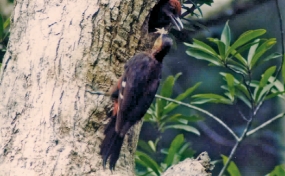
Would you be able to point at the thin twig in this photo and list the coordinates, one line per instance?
(245, 134)
(265, 124)
(203, 111)
(235, 147)
(258, 107)
(241, 114)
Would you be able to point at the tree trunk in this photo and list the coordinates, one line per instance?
(49, 124)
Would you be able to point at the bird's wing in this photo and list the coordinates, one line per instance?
(138, 87)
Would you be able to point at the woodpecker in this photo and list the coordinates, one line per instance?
(164, 13)
(133, 95)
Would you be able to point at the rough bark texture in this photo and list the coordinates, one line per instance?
(200, 166)
(49, 124)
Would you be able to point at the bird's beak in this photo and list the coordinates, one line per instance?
(177, 22)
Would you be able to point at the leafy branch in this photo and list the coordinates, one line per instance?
(240, 84)
(202, 111)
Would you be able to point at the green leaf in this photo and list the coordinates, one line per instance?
(164, 151)
(267, 74)
(6, 23)
(254, 83)
(183, 148)
(239, 58)
(163, 166)
(145, 146)
(252, 50)
(148, 173)
(146, 161)
(260, 90)
(172, 118)
(242, 88)
(177, 76)
(232, 168)
(230, 83)
(273, 95)
(270, 57)
(226, 35)
(177, 117)
(237, 69)
(239, 94)
(152, 145)
(264, 91)
(166, 91)
(198, 54)
(277, 83)
(171, 106)
(246, 37)
(183, 121)
(221, 47)
(188, 153)
(278, 171)
(261, 50)
(210, 98)
(197, 44)
(173, 150)
(239, 86)
(183, 127)
(150, 116)
(210, 95)
(236, 53)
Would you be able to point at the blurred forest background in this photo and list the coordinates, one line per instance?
(258, 154)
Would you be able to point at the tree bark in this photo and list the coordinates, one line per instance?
(49, 124)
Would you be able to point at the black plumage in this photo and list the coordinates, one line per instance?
(132, 96)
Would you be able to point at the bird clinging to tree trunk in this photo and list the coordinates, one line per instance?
(164, 13)
(133, 95)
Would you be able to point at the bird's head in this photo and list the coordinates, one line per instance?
(164, 13)
(172, 8)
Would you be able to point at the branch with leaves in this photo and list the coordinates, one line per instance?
(240, 84)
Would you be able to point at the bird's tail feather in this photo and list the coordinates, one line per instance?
(111, 145)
